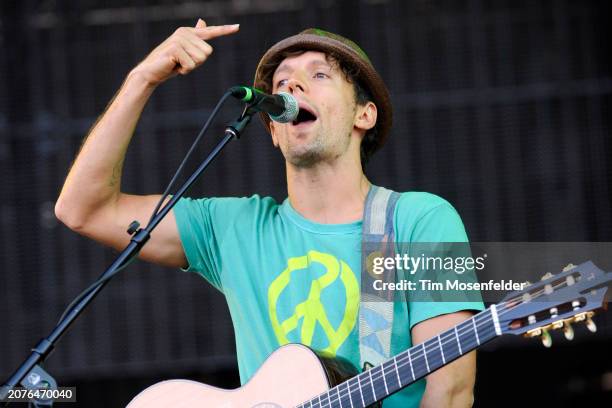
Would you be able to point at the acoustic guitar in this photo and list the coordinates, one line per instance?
(296, 376)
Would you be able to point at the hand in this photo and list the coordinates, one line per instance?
(182, 52)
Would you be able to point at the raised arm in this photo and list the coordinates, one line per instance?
(91, 202)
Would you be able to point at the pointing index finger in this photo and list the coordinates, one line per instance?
(207, 33)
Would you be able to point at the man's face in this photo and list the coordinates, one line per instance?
(321, 89)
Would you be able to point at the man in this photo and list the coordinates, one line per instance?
(271, 261)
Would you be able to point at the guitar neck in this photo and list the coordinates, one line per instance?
(411, 365)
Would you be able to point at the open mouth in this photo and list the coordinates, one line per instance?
(304, 116)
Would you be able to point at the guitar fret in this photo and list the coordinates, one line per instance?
(360, 390)
(458, 342)
(495, 318)
(382, 370)
(367, 391)
(434, 354)
(441, 350)
(399, 381)
(350, 394)
(339, 400)
(425, 355)
(372, 384)
(450, 347)
(469, 336)
(411, 366)
(475, 331)
(327, 396)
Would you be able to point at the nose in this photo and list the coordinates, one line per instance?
(296, 85)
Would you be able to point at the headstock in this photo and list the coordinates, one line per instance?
(556, 302)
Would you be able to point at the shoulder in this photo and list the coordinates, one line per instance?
(221, 213)
(425, 216)
(215, 217)
(418, 204)
(238, 205)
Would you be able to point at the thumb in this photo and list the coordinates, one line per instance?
(200, 24)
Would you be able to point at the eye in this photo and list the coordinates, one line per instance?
(321, 75)
(281, 83)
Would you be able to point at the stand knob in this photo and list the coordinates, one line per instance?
(134, 225)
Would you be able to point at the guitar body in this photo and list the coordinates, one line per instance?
(291, 375)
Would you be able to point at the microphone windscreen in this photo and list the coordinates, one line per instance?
(291, 109)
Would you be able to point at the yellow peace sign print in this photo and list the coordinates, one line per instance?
(312, 310)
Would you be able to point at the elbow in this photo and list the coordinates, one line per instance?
(448, 398)
(460, 391)
(463, 397)
(449, 389)
(82, 214)
(69, 215)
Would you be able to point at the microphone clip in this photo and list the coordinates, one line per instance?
(235, 127)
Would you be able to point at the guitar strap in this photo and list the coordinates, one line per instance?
(376, 306)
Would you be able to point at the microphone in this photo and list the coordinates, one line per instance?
(281, 107)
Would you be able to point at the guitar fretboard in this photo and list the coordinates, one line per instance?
(409, 366)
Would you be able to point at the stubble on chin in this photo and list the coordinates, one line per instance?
(306, 156)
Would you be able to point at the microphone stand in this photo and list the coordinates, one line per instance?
(30, 374)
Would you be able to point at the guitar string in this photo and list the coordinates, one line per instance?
(510, 306)
(409, 356)
(346, 393)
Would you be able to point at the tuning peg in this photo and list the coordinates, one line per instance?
(568, 331)
(557, 325)
(568, 267)
(546, 338)
(547, 275)
(590, 324)
(534, 332)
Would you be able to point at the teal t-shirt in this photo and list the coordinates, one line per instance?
(290, 280)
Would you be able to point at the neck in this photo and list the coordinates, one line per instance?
(328, 193)
(411, 365)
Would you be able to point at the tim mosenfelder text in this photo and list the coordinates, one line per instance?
(449, 284)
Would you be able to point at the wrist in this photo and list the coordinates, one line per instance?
(141, 80)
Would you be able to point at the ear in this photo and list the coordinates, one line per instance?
(365, 116)
(272, 133)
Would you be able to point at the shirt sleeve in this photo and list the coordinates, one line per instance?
(202, 224)
(424, 217)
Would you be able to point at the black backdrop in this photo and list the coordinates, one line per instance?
(502, 107)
